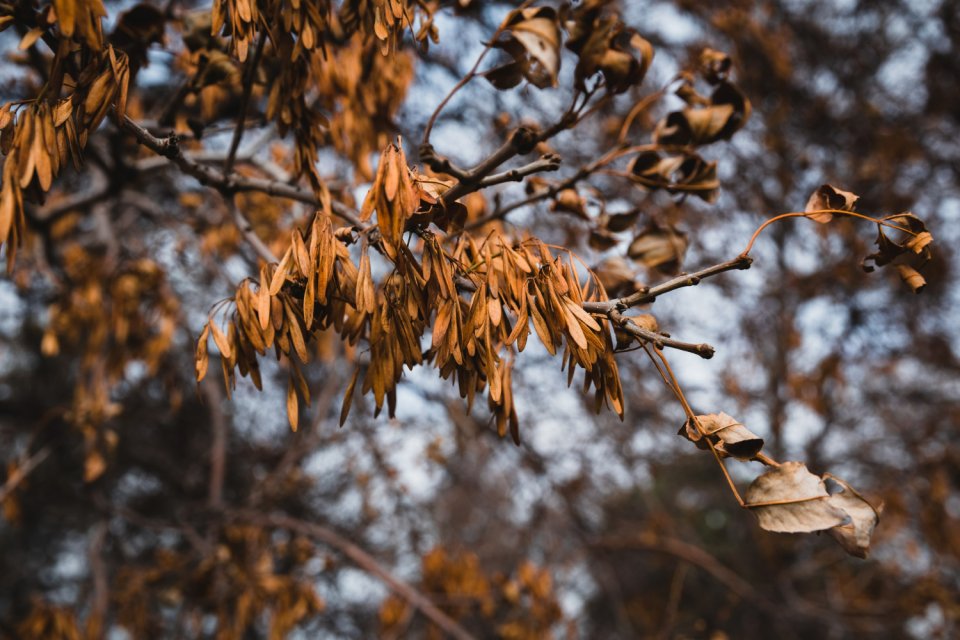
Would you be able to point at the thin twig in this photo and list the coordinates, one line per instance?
(695, 556)
(246, 229)
(637, 109)
(547, 162)
(170, 148)
(582, 173)
(470, 75)
(218, 442)
(674, 384)
(100, 597)
(649, 294)
(658, 340)
(366, 562)
(810, 214)
(248, 76)
(22, 471)
(99, 189)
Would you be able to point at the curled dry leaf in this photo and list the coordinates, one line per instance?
(605, 45)
(854, 536)
(790, 499)
(911, 277)
(601, 239)
(618, 222)
(617, 276)
(704, 120)
(569, 201)
(532, 39)
(828, 196)
(726, 433)
(714, 65)
(659, 247)
(906, 246)
(686, 173)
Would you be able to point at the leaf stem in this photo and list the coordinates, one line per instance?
(810, 214)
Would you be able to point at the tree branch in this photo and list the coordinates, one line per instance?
(658, 340)
(649, 294)
(583, 172)
(22, 471)
(218, 442)
(366, 562)
(244, 103)
(99, 189)
(546, 162)
(695, 556)
(227, 184)
(246, 229)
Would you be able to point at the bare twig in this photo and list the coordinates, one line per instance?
(470, 75)
(100, 599)
(546, 162)
(218, 442)
(246, 229)
(99, 188)
(637, 109)
(169, 147)
(244, 102)
(671, 380)
(695, 556)
(366, 562)
(812, 214)
(658, 339)
(673, 604)
(582, 173)
(22, 471)
(649, 294)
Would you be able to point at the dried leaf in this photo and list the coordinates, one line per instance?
(714, 65)
(292, 406)
(570, 201)
(263, 299)
(828, 196)
(202, 357)
(621, 221)
(617, 276)
(855, 535)
(911, 277)
(659, 247)
(790, 499)
(280, 273)
(729, 435)
(221, 340)
(910, 240)
(537, 30)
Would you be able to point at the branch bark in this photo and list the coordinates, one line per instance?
(649, 294)
(659, 340)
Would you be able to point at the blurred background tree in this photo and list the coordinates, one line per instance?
(139, 503)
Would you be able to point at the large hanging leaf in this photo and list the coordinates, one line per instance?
(790, 499)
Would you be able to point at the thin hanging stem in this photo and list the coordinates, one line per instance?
(671, 382)
(810, 214)
(470, 74)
